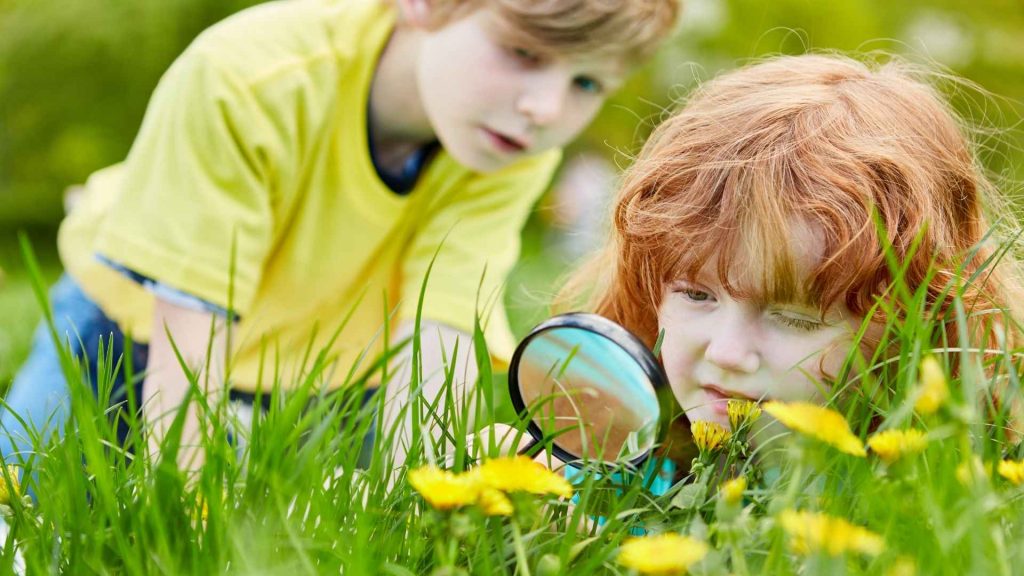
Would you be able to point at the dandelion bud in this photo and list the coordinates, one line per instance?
(549, 565)
(933, 391)
(8, 494)
(1012, 470)
(972, 470)
(903, 566)
(732, 490)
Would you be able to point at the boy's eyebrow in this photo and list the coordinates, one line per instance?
(506, 33)
(605, 63)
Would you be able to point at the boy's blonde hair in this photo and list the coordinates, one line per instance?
(633, 28)
(845, 147)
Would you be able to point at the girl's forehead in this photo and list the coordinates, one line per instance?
(759, 272)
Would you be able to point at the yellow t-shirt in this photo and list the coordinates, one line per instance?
(255, 143)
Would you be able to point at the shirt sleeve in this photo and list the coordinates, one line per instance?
(475, 234)
(167, 293)
(194, 212)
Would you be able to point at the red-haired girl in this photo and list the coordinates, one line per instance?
(754, 228)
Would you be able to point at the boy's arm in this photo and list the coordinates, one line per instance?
(166, 384)
(469, 241)
(438, 349)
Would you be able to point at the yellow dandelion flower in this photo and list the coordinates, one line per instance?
(741, 412)
(204, 509)
(709, 436)
(1012, 470)
(445, 490)
(495, 503)
(14, 491)
(662, 554)
(891, 445)
(812, 532)
(968, 472)
(903, 566)
(933, 390)
(732, 490)
(521, 474)
(817, 422)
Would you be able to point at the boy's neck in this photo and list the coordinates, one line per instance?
(398, 123)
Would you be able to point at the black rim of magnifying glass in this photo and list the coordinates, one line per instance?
(602, 327)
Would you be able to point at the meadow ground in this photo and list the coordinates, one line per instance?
(914, 475)
(19, 313)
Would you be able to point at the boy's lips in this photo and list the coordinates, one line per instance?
(505, 143)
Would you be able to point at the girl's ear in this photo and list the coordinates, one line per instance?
(415, 12)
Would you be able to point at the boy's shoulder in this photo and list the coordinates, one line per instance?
(272, 38)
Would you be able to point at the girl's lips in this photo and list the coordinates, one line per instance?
(720, 398)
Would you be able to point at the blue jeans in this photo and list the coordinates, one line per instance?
(39, 401)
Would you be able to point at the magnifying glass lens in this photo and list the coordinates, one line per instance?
(588, 395)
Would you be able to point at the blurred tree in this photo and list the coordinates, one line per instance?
(75, 76)
(74, 81)
(982, 41)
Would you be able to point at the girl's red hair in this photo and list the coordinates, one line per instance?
(870, 156)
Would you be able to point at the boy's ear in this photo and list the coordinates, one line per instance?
(415, 12)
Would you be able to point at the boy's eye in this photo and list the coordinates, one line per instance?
(799, 323)
(525, 55)
(588, 84)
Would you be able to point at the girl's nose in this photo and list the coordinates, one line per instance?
(731, 346)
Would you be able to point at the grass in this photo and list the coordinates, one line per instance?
(19, 313)
(304, 498)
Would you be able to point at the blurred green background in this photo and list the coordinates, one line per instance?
(75, 78)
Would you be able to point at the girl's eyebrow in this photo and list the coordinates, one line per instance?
(793, 304)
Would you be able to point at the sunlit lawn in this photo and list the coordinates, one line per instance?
(302, 499)
(19, 312)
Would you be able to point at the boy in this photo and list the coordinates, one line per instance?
(304, 160)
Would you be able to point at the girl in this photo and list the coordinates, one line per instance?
(753, 230)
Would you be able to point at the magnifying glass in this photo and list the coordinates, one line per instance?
(589, 389)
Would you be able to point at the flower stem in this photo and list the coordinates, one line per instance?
(739, 560)
(795, 479)
(517, 541)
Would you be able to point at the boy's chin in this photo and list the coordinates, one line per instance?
(478, 161)
(473, 151)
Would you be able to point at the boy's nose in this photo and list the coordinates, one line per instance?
(543, 102)
(731, 347)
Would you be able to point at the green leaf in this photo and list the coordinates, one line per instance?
(690, 496)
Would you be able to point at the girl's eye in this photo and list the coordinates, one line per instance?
(694, 295)
(804, 324)
(588, 85)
